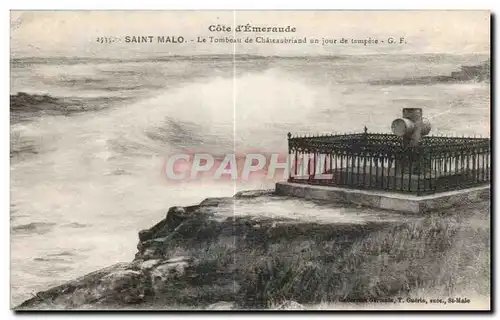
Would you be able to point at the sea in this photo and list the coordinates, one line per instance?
(89, 137)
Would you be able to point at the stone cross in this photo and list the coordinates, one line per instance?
(411, 127)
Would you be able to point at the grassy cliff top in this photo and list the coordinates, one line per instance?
(258, 250)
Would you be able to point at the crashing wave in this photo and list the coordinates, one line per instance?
(25, 106)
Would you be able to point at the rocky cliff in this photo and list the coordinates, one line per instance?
(474, 73)
(258, 250)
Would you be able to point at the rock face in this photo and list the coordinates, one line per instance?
(244, 253)
(117, 284)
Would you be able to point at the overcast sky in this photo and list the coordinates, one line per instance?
(74, 33)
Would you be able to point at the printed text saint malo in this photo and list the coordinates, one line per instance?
(159, 39)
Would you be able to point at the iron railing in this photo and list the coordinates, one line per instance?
(382, 162)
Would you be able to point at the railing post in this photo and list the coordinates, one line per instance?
(335, 173)
(395, 182)
(483, 175)
(289, 159)
(371, 165)
(403, 156)
(359, 165)
(314, 164)
(418, 170)
(296, 162)
(410, 161)
(435, 164)
(325, 163)
(478, 155)
(468, 168)
(364, 168)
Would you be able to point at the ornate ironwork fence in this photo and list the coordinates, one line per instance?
(383, 162)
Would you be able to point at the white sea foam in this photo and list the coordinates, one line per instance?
(103, 172)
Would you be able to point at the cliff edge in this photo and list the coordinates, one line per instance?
(258, 250)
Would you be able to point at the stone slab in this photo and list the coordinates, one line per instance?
(386, 200)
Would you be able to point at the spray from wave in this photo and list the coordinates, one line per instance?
(101, 168)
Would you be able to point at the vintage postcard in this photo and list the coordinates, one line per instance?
(250, 160)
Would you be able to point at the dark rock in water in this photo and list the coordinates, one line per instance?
(479, 73)
(25, 106)
(33, 102)
(23, 98)
(34, 227)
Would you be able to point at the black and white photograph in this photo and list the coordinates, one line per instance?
(273, 160)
